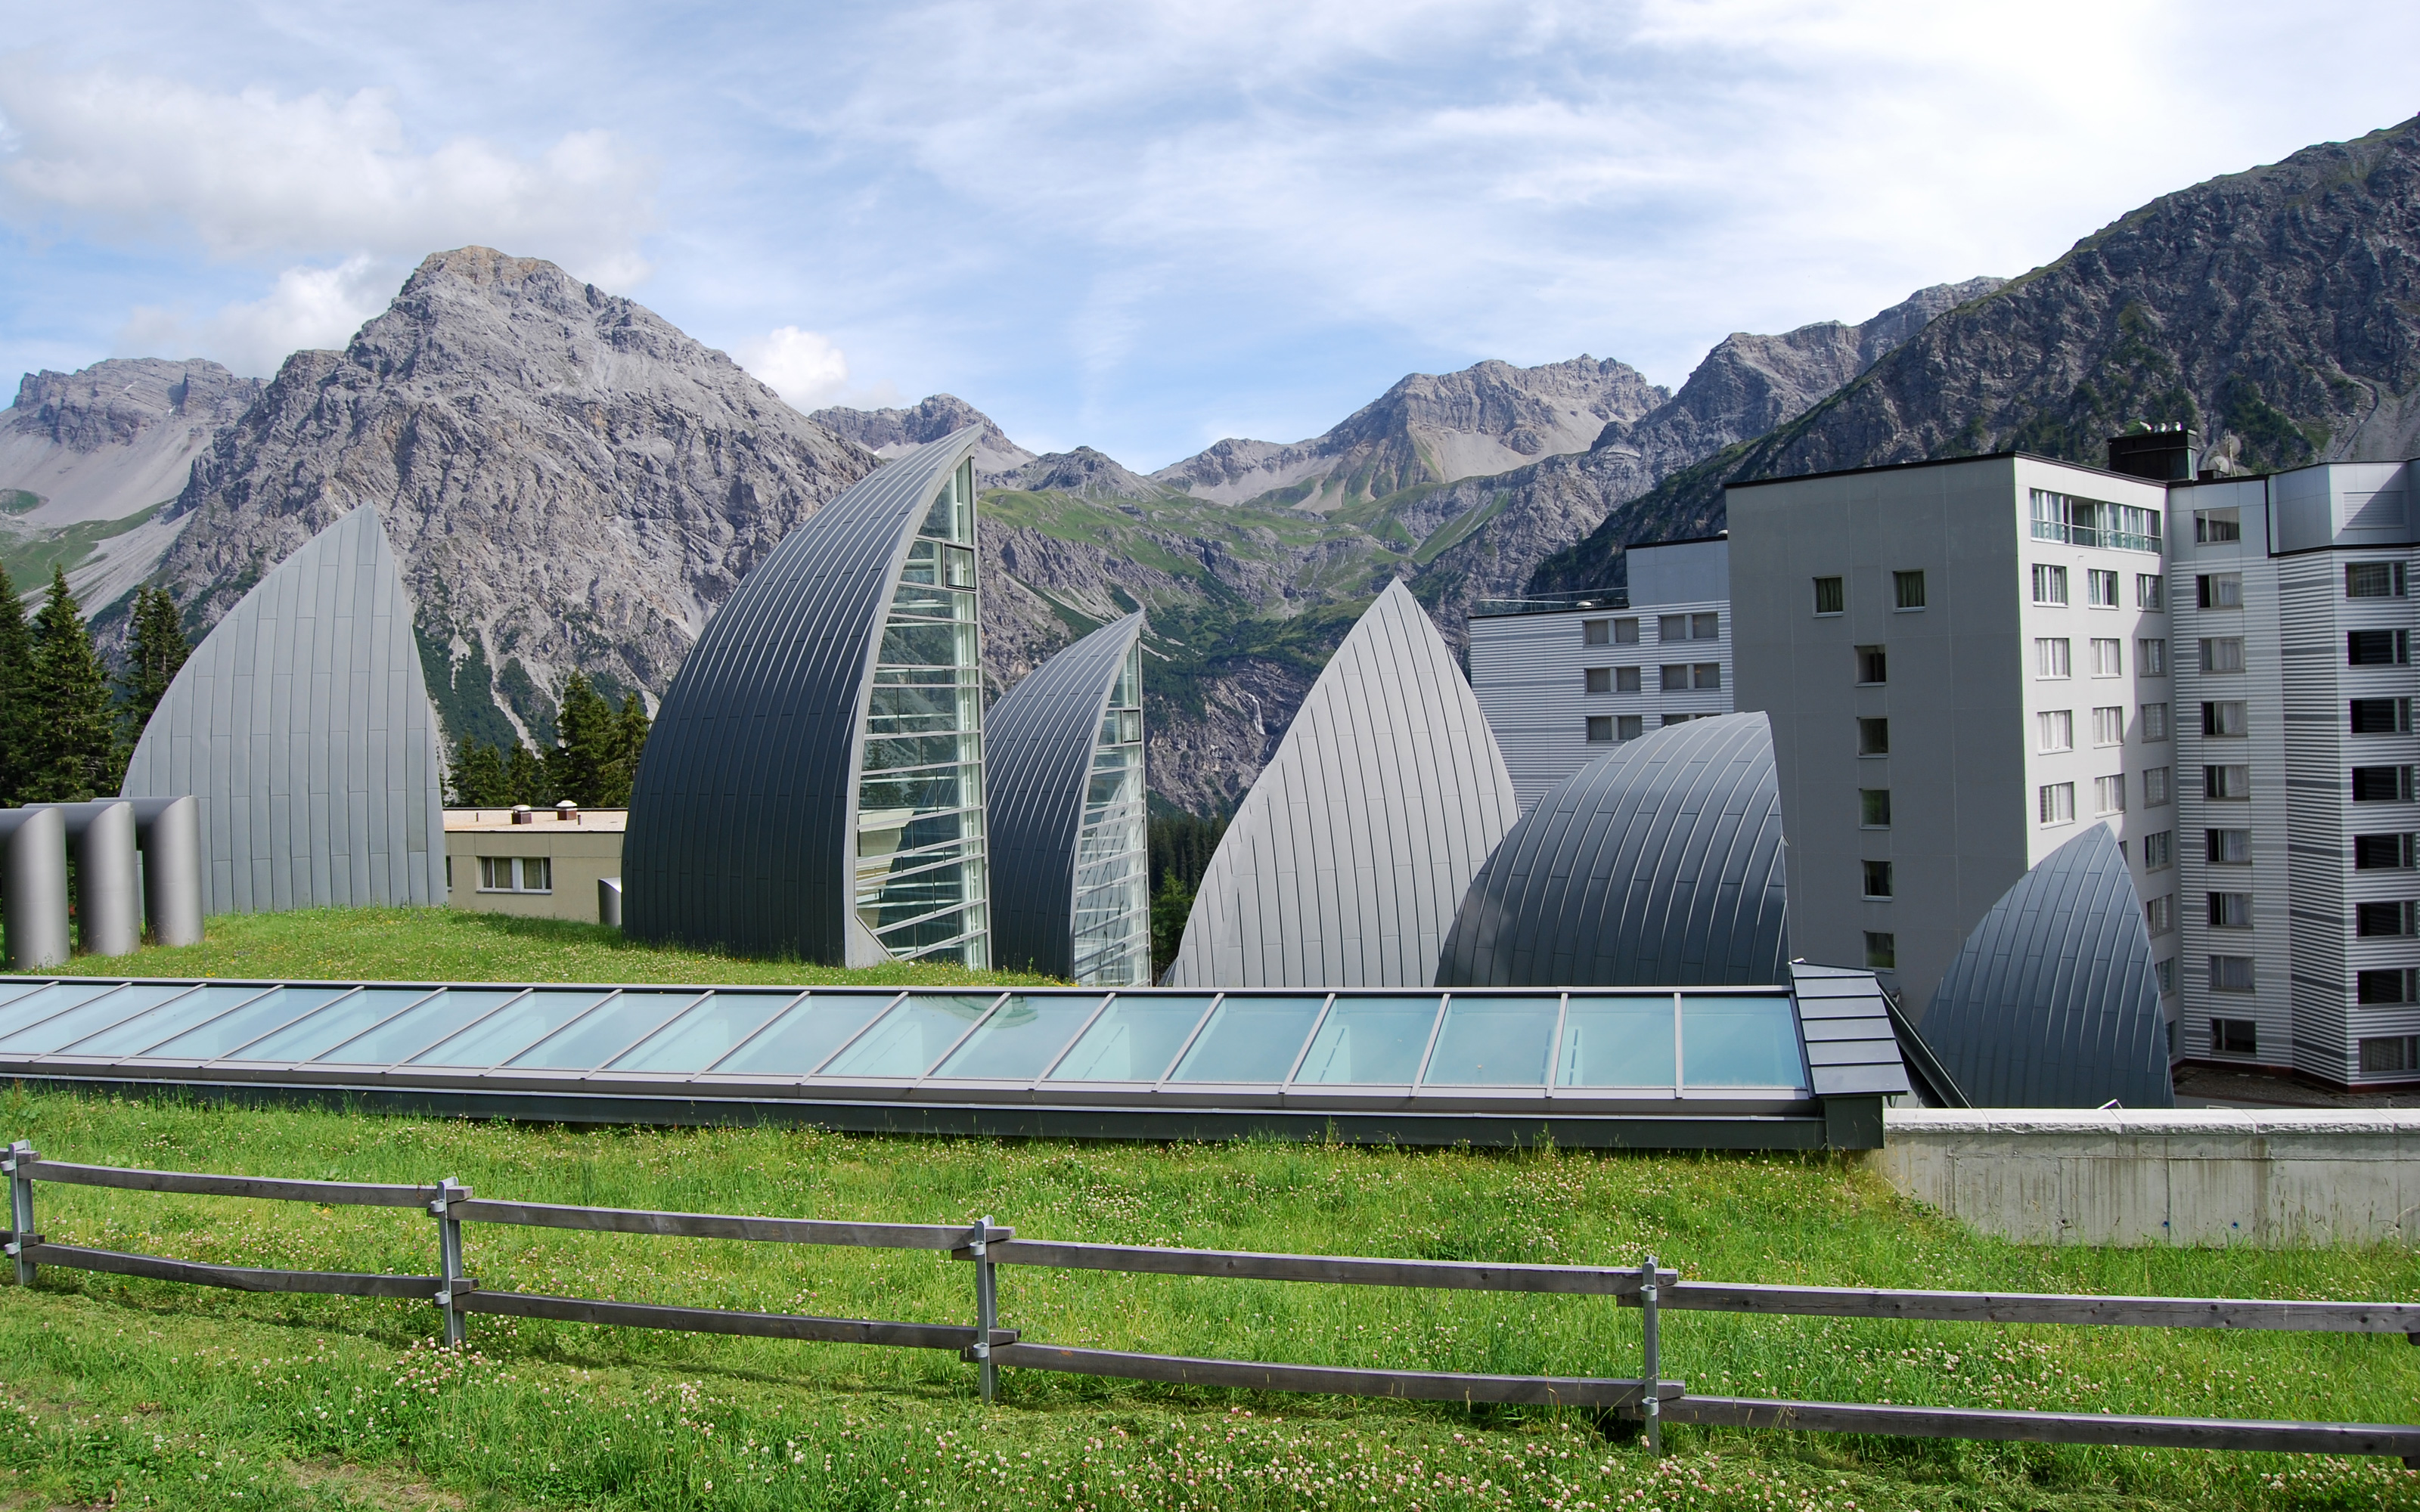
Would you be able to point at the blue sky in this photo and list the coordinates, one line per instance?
(1138, 226)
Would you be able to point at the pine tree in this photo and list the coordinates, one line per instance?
(156, 647)
(580, 766)
(630, 743)
(16, 694)
(525, 778)
(479, 777)
(74, 738)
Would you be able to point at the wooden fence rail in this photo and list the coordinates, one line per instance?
(1650, 1397)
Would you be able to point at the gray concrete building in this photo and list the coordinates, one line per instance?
(1563, 681)
(1963, 661)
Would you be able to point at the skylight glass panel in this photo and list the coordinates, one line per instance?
(806, 1036)
(1618, 1041)
(593, 1039)
(912, 1036)
(137, 1034)
(260, 1013)
(331, 1027)
(48, 1002)
(1494, 1042)
(1019, 1041)
(705, 1033)
(1370, 1041)
(417, 1028)
(496, 1039)
(59, 1030)
(1134, 1039)
(1739, 1042)
(1250, 1038)
(12, 988)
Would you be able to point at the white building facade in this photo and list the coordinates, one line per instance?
(1963, 661)
(1563, 682)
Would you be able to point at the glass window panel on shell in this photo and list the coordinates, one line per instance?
(1370, 1041)
(209, 1038)
(179, 1016)
(588, 1043)
(1250, 1038)
(1739, 1041)
(806, 1036)
(705, 1033)
(496, 1039)
(913, 1035)
(1618, 1041)
(1133, 1040)
(90, 1018)
(1019, 1041)
(417, 1028)
(1494, 1042)
(341, 1020)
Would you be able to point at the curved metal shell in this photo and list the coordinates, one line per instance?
(2053, 1001)
(1038, 766)
(1344, 862)
(1661, 864)
(743, 815)
(302, 727)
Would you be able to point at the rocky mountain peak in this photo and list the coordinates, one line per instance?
(1083, 471)
(890, 432)
(112, 403)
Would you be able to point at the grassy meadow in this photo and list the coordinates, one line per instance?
(138, 1393)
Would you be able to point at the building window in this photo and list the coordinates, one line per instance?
(2222, 653)
(2216, 526)
(1676, 678)
(2382, 717)
(2108, 657)
(2057, 728)
(1873, 737)
(2384, 853)
(2229, 783)
(2230, 910)
(2109, 793)
(2157, 783)
(2109, 725)
(1829, 600)
(1598, 679)
(1688, 627)
(1625, 632)
(2168, 974)
(1629, 726)
(2226, 847)
(1706, 674)
(2234, 1037)
(2225, 718)
(2219, 590)
(1910, 589)
(1599, 729)
(2230, 974)
(2374, 580)
(2399, 1052)
(2160, 914)
(2057, 803)
(2155, 722)
(2378, 648)
(2099, 588)
(2050, 584)
(2159, 850)
(2381, 785)
(2385, 987)
(1625, 679)
(2090, 522)
(1878, 879)
(1873, 665)
(1596, 632)
(1671, 719)
(2152, 656)
(1873, 808)
(2050, 656)
(2151, 591)
(1882, 950)
(2374, 920)
(515, 874)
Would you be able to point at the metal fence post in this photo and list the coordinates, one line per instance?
(449, 1255)
(987, 1306)
(1650, 1406)
(20, 1209)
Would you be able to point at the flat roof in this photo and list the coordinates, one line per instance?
(1943, 462)
(549, 820)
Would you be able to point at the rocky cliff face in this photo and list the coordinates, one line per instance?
(890, 432)
(2277, 311)
(569, 481)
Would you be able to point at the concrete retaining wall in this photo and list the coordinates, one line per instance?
(2269, 1178)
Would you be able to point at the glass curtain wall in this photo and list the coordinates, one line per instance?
(1112, 892)
(921, 881)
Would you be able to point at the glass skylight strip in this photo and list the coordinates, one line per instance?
(841, 1048)
(413, 999)
(693, 1019)
(222, 1016)
(107, 1012)
(39, 1009)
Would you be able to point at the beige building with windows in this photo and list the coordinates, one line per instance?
(540, 863)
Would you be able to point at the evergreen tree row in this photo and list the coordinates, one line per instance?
(64, 736)
(593, 763)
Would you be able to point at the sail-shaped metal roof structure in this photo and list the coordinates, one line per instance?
(302, 727)
(1064, 774)
(812, 785)
(1345, 861)
(1660, 862)
(2053, 1001)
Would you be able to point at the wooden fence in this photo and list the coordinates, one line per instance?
(1649, 1398)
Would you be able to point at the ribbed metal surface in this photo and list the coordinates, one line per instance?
(1037, 759)
(2052, 1003)
(742, 819)
(1346, 860)
(1659, 863)
(1853, 1049)
(302, 727)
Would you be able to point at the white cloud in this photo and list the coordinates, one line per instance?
(309, 307)
(255, 176)
(803, 368)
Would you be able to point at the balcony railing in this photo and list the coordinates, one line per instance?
(2051, 529)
